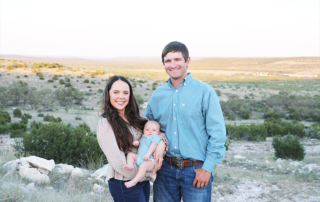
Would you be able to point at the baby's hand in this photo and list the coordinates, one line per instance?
(136, 143)
(145, 157)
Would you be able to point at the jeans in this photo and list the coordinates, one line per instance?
(138, 193)
(171, 184)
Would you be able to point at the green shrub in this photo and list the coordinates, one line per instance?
(5, 115)
(314, 131)
(25, 76)
(41, 78)
(4, 128)
(78, 118)
(88, 86)
(288, 147)
(68, 85)
(27, 116)
(60, 142)
(100, 91)
(218, 92)
(86, 81)
(17, 113)
(50, 81)
(17, 129)
(40, 115)
(55, 77)
(61, 81)
(50, 118)
(92, 82)
(227, 144)
(18, 77)
(67, 79)
(54, 86)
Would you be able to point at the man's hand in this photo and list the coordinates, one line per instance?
(158, 156)
(136, 143)
(202, 178)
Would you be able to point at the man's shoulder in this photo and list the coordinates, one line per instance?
(202, 85)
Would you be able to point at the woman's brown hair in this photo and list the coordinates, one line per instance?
(132, 113)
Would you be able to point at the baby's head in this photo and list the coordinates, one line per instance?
(151, 128)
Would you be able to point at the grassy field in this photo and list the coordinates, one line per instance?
(258, 177)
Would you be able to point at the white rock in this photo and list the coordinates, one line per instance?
(92, 194)
(100, 180)
(100, 172)
(43, 171)
(279, 160)
(267, 161)
(98, 189)
(238, 156)
(11, 166)
(31, 186)
(23, 161)
(279, 166)
(34, 175)
(49, 188)
(40, 163)
(64, 168)
(76, 173)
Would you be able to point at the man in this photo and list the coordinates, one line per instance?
(190, 115)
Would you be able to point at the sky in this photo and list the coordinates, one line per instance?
(212, 28)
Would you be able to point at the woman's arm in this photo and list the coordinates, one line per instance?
(109, 146)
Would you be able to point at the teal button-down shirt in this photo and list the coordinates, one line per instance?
(191, 117)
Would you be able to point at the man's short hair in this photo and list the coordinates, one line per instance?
(175, 46)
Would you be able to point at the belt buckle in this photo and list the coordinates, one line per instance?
(177, 162)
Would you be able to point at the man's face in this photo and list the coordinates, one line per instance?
(175, 65)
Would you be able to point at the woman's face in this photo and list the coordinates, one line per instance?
(119, 95)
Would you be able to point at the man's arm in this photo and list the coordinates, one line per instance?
(216, 131)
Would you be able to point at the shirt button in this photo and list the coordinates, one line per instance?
(175, 147)
(183, 105)
(176, 90)
(184, 84)
(175, 132)
(174, 104)
(174, 118)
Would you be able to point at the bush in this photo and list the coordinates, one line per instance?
(50, 81)
(5, 115)
(41, 78)
(86, 81)
(67, 79)
(100, 91)
(27, 116)
(25, 76)
(4, 128)
(17, 113)
(78, 118)
(60, 142)
(288, 147)
(218, 92)
(17, 129)
(92, 82)
(40, 115)
(68, 85)
(61, 81)
(50, 118)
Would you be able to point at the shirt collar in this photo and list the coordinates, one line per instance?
(184, 81)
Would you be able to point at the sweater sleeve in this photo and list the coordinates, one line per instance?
(109, 146)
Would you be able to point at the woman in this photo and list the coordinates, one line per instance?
(120, 125)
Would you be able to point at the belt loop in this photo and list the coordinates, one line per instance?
(190, 162)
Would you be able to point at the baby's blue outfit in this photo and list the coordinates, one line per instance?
(145, 142)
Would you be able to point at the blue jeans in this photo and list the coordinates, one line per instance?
(138, 193)
(171, 184)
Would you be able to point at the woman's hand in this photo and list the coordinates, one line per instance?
(158, 156)
(136, 143)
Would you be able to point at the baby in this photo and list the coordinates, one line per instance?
(143, 158)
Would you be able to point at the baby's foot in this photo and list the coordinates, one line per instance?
(128, 167)
(130, 184)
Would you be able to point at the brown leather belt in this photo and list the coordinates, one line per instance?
(179, 163)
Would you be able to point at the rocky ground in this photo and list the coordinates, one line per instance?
(249, 172)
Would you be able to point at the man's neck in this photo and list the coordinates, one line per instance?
(175, 82)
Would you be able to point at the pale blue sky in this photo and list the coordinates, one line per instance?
(104, 28)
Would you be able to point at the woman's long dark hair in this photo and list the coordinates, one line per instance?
(119, 126)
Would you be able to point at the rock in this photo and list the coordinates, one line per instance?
(31, 186)
(64, 168)
(238, 156)
(92, 194)
(310, 167)
(11, 166)
(23, 161)
(98, 189)
(279, 166)
(100, 172)
(40, 163)
(27, 165)
(76, 173)
(295, 163)
(43, 171)
(279, 160)
(267, 161)
(34, 175)
(49, 188)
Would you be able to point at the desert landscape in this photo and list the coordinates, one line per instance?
(261, 98)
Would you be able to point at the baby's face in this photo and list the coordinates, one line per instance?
(151, 128)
